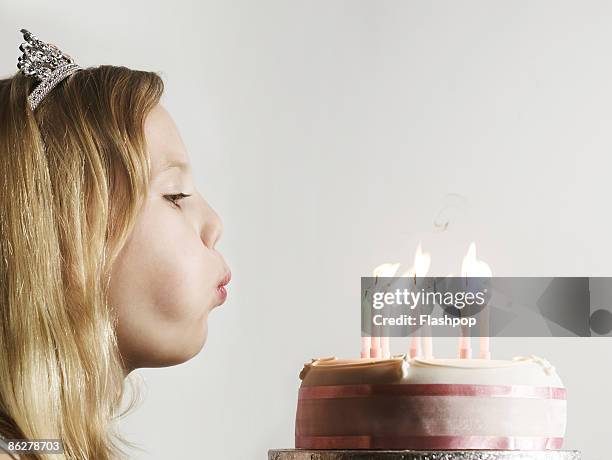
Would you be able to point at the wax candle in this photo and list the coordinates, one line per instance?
(376, 344)
(365, 346)
(384, 345)
(419, 343)
(375, 351)
(472, 267)
(415, 346)
(485, 341)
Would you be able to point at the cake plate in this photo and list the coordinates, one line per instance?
(304, 454)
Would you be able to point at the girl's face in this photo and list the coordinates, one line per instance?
(169, 275)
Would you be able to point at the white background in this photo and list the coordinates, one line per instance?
(329, 135)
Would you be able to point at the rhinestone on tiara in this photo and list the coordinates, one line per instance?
(45, 62)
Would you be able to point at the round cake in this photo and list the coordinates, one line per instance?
(436, 404)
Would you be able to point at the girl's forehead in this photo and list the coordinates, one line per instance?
(164, 142)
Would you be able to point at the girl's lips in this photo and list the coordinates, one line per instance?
(222, 292)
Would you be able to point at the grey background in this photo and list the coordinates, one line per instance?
(329, 135)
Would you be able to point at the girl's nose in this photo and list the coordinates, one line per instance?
(212, 227)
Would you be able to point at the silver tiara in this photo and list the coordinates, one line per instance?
(45, 62)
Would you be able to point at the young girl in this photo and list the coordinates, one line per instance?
(107, 250)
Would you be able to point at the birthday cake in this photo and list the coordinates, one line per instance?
(430, 404)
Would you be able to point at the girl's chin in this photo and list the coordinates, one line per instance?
(187, 349)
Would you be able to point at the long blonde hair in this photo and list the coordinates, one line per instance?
(73, 175)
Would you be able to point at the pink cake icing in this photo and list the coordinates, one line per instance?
(439, 404)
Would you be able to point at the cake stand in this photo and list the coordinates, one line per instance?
(304, 454)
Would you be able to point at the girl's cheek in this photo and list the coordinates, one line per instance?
(183, 284)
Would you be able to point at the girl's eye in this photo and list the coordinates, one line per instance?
(175, 198)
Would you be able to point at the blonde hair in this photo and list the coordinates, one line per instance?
(73, 175)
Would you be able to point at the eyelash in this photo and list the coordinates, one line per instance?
(175, 198)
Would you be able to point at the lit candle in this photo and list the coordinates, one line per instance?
(472, 267)
(485, 341)
(384, 345)
(427, 342)
(365, 346)
(415, 346)
(377, 346)
(366, 341)
(465, 347)
(420, 344)
(375, 351)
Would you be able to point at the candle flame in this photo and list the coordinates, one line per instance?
(385, 270)
(471, 266)
(420, 267)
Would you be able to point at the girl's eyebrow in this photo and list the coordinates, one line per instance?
(169, 164)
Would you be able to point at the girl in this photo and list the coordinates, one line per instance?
(107, 250)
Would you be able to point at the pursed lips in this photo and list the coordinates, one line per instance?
(221, 290)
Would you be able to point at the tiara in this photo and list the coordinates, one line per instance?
(45, 62)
